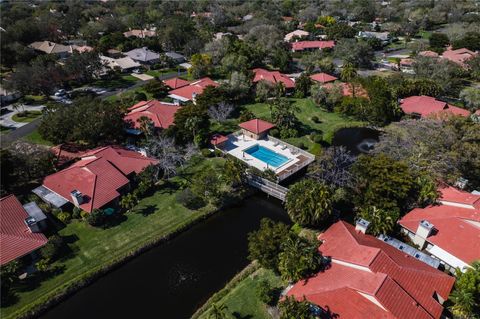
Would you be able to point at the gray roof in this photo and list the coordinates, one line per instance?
(34, 211)
(50, 196)
(410, 250)
(174, 55)
(143, 54)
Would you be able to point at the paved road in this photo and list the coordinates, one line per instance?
(6, 119)
(26, 129)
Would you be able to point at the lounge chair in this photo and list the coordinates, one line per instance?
(284, 147)
(275, 143)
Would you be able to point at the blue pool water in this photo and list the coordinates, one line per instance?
(266, 155)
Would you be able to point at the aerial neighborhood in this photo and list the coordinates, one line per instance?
(240, 159)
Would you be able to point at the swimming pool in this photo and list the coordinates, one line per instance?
(266, 155)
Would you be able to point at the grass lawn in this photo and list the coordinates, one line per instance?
(27, 117)
(35, 138)
(128, 93)
(242, 300)
(94, 248)
(121, 81)
(4, 130)
(157, 73)
(329, 121)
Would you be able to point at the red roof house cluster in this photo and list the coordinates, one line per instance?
(176, 83)
(160, 113)
(368, 278)
(273, 77)
(459, 56)
(323, 78)
(256, 126)
(309, 45)
(455, 235)
(99, 176)
(424, 106)
(188, 92)
(16, 239)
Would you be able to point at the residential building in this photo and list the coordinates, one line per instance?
(20, 229)
(97, 180)
(160, 113)
(273, 77)
(296, 34)
(144, 55)
(312, 45)
(124, 64)
(459, 56)
(48, 47)
(382, 36)
(427, 106)
(323, 78)
(189, 92)
(368, 278)
(347, 89)
(256, 129)
(450, 232)
(429, 54)
(141, 34)
(177, 58)
(176, 83)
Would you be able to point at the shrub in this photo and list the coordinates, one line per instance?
(64, 217)
(318, 138)
(206, 152)
(266, 293)
(52, 249)
(301, 145)
(274, 132)
(218, 153)
(43, 264)
(56, 211)
(83, 214)
(188, 199)
(96, 218)
(77, 212)
(315, 119)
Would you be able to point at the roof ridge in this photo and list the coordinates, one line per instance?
(23, 237)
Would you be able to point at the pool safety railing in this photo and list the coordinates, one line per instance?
(268, 187)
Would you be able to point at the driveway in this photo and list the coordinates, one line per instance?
(6, 119)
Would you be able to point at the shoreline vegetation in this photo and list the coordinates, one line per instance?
(166, 222)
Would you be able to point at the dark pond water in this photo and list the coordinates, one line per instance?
(174, 279)
(356, 139)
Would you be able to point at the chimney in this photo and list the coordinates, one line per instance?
(32, 224)
(424, 230)
(77, 197)
(362, 225)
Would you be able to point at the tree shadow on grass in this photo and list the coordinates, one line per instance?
(147, 210)
(34, 280)
(114, 220)
(169, 188)
(236, 315)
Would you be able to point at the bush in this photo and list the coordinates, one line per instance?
(315, 119)
(218, 153)
(274, 132)
(265, 293)
(301, 145)
(206, 152)
(52, 249)
(56, 211)
(43, 264)
(83, 214)
(188, 199)
(96, 218)
(64, 217)
(77, 212)
(317, 138)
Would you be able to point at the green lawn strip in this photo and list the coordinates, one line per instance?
(157, 73)
(329, 123)
(96, 250)
(121, 81)
(28, 116)
(5, 130)
(36, 138)
(240, 295)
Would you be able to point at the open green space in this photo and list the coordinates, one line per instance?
(36, 138)
(242, 301)
(93, 249)
(157, 73)
(118, 82)
(328, 124)
(26, 116)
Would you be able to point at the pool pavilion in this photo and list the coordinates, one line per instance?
(252, 145)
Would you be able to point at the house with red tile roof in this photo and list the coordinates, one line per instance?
(450, 232)
(160, 113)
(176, 83)
(312, 45)
(295, 34)
(323, 78)
(459, 56)
(218, 139)
(272, 77)
(368, 278)
(96, 181)
(19, 234)
(347, 89)
(427, 106)
(427, 53)
(189, 92)
(256, 128)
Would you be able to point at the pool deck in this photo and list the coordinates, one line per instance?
(297, 159)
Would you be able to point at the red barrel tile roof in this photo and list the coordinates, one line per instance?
(176, 83)
(429, 106)
(196, 87)
(323, 77)
(303, 45)
(273, 77)
(161, 114)
(256, 126)
(16, 239)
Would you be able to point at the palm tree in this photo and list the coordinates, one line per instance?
(464, 303)
(218, 311)
(349, 74)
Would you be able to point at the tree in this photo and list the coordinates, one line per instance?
(466, 294)
(234, 172)
(221, 111)
(333, 168)
(83, 67)
(438, 41)
(9, 275)
(445, 73)
(382, 182)
(266, 37)
(283, 114)
(471, 41)
(264, 90)
(383, 106)
(290, 308)
(201, 65)
(302, 85)
(382, 221)
(234, 62)
(318, 94)
(156, 88)
(471, 97)
(264, 245)
(168, 155)
(349, 74)
(218, 311)
(190, 121)
(238, 88)
(281, 58)
(358, 53)
(474, 67)
(52, 249)
(299, 259)
(309, 202)
(340, 30)
(96, 218)
(128, 201)
(207, 185)
(266, 293)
